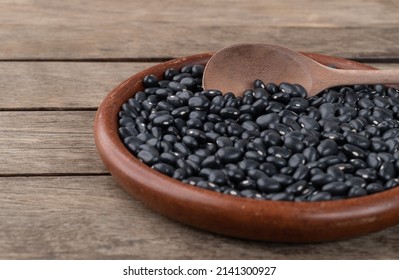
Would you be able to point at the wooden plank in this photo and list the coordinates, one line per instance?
(91, 218)
(48, 142)
(142, 29)
(60, 84)
(66, 85)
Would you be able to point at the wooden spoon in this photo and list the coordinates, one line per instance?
(234, 68)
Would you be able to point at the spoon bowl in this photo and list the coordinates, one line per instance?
(234, 68)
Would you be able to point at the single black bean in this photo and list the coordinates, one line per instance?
(353, 151)
(391, 183)
(268, 168)
(296, 160)
(164, 168)
(280, 152)
(336, 188)
(282, 196)
(387, 171)
(247, 184)
(272, 138)
(176, 86)
(309, 123)
(211, 162)
(357, 140)
(268, 185)
(297, 187)
(277, 161)
(374, 188)
(356, 191)
(230, 113)
(229, 154)
(320, 196)
(256, 174)
(367, 174)
(248, 164)
(322, 179)
(327, 147)
(217, 177)
(283, 179)
(265, 120)
(356, 181)
(336, 172)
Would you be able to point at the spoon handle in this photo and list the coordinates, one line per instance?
(352, 77)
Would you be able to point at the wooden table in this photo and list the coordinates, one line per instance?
(58, 59)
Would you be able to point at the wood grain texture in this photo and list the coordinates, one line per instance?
(67, 85)
(55, 85)
(55, 142)
(90, 217)
(144, 29)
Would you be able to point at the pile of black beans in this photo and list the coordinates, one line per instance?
(272, 142)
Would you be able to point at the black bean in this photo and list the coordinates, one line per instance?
(163, 120)
(229, 154)
(259, 84)
(336, 188)
(298, 104)
(283, 179)
(199, 135)
(261, 93)
(164, 168)
(265, 120)
(230, 113)
(217, 177)
(374, 188)
(287, 170)
(247, 184)
(327, 147)
(248, 164)
(297, 188)
(357, 140)
(176, 86)
(282, 196)
(387, 171)
(272, 138)
(198, 103)
(296, 160)
(310, 154)
(322, 179)
(301, 173)
(353, 151)
(336, 172)
(320, 196)
(268, 185)
(256, 174)
(327, 110)
(356, 181)
(190, 142)
(391, 183)
(280, 152)
(309, 123)
(356, 191)
(367, 174)
(268, 168)
(234, 129)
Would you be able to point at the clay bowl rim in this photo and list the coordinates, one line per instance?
(229, 215)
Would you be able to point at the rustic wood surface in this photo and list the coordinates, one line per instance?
(58, 59)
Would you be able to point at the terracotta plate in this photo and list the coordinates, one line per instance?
(226, 214)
